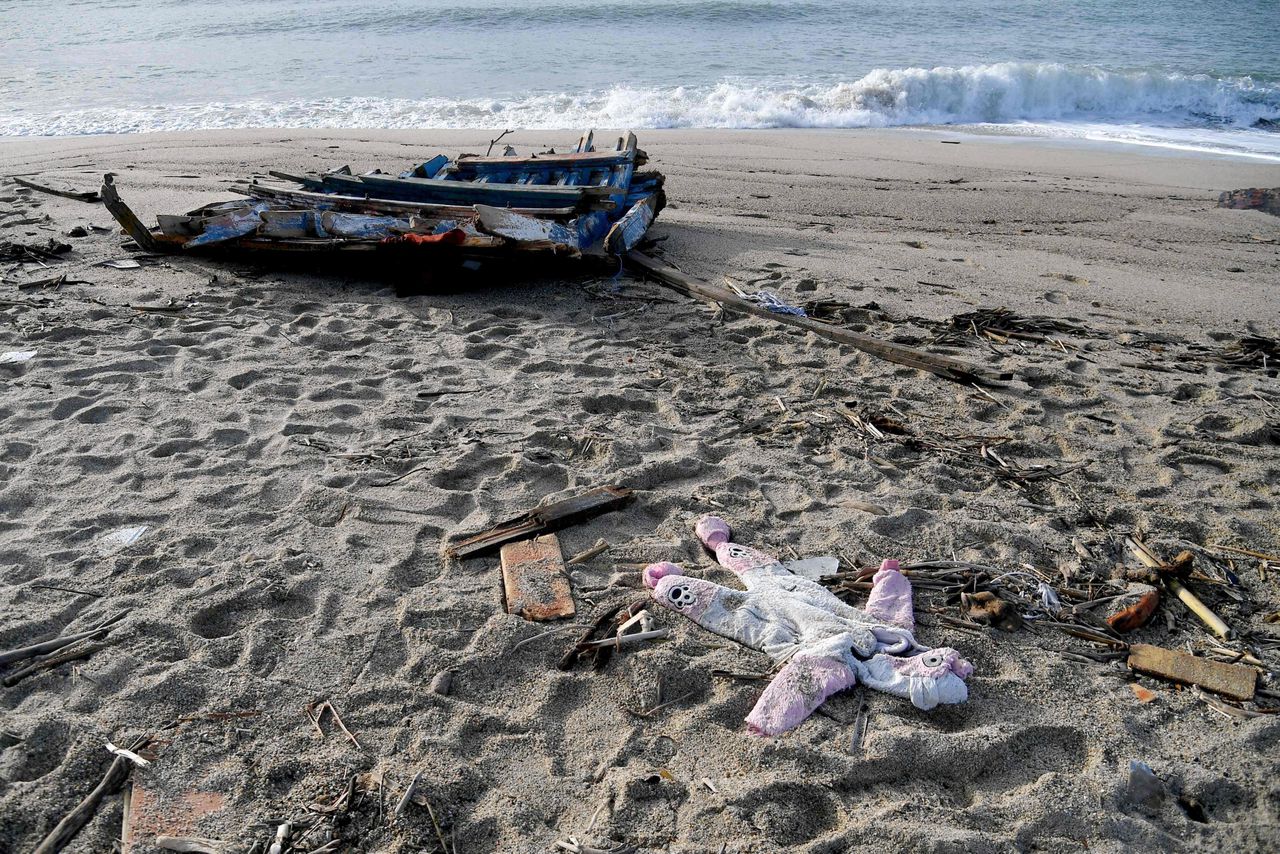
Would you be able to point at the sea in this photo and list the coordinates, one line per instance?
(1199, 75)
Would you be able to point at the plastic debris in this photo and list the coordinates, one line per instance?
(121, 539)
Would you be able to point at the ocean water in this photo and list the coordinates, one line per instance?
(1192, 74)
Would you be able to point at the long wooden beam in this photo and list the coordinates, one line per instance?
(943, 366)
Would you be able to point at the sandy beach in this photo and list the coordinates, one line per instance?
(302, 446)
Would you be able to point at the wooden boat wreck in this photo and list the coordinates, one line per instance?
(583, 201)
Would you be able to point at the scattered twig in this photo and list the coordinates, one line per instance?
(583, 556)
(408, 796)
(68, 590)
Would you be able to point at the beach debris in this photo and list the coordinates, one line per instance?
(128, 754)
(17, 357)
(767, 300)
(407, 798)
(74, 821)
(461, 209)
(23, 653)
(151, 813)
(1252, 198)
(315, 713)
(944, 366)
(283, 831)
(813, 568)
(57, 659)
(534, 580)
(1235, 681)
(1133, 608)
(585, 555)
(1144, 695)
(618, 614)
(1252, 351)
(1173, 574)
(1001, 325)
(541, 520)
(120, 539)
(11, 250)
(573, 846)
(121, 264)
(802, 626)
(79, 196)
(193, 844)
(1145, 789)
(988, 609)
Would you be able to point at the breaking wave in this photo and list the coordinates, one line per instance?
(998, 94)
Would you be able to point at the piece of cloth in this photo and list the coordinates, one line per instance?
(825, 645)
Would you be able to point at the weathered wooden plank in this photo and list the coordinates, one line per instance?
(360, 226)
(566, 160)
(128, 220)
(1230, 680)
(943, 366)
(178, 226)
(360, 204)
(526, 229)
(287, 224)
(467, 192)
(87, 196)
(628, 231)
(535, 580)
(541, 520)
(429, 169)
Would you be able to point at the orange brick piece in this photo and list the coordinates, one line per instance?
(151, 812)
(535, 580)
(1230, 680)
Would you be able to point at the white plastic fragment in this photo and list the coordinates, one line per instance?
(813, 568)
(15, 357)
(121, 264)
(121, 539)
(128, 754)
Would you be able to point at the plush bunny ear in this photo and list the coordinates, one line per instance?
(891, 598)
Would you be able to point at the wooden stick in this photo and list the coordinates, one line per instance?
(328, 704)
(58, 643)
(626, 639)
(1201, 610)
(52, 661)
(86, 196)
(582, 557)
(1247, 553)
(408, 796)
(943, 366)
(71, 824)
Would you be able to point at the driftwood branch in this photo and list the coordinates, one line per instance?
(58, 643)
(943, 366)
(67, 829)
(87, 196)
(52, 662)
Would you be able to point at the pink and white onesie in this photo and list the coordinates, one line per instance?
(824, 645)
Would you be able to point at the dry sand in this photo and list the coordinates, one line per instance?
(252, 428)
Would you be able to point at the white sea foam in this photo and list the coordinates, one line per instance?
(1047, 95)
